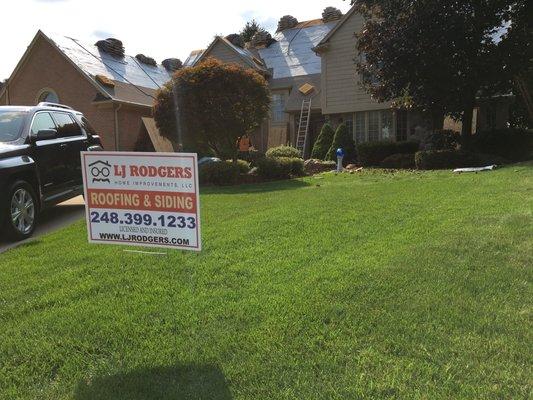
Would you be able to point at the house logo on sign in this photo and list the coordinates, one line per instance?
(100, 171)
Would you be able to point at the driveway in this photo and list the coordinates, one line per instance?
(52, 219)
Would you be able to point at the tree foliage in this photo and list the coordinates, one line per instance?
(250, 29)
(441, 55)
(217, 104)
(342, 139)
(323, 142)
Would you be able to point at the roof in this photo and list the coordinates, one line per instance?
(246, 55)
(193, 57)
(294, 102)
(292, 55)
(135, 82)
(345, 18)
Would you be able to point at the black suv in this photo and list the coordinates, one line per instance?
(40, 162)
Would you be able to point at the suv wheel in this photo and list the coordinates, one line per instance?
(20, 211)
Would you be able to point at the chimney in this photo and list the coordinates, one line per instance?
(287, 22)
(331, 14)
(111, 46)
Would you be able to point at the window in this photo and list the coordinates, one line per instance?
(66, 125)
(401, 125)
(360, 127)
(373, 126)
(386, 125)
(278, 108)
(48, 95)
(86, 125)
(11, 125)
(42, 121)
(349, 124)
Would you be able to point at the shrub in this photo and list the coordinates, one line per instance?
(399, 161)
(512, 144)
(242, 166)
(254, 156)
(283, 151)
(447, 159)
(373, 153)
(342, 139)
(323, 143)
(219, 173)
(280, 167)
(441, 140)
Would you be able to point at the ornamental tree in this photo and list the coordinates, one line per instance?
(209, 106)
(323, 142)
(343, 140)
(439, 55)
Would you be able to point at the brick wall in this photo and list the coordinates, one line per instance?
(46, 67)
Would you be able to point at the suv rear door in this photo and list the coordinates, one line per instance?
(49, 157)
(74, 141)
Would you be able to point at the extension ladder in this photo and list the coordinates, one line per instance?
(303, 126)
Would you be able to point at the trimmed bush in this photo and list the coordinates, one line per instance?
(323, 143)
(219, 173)
(399, 161)
(441, 140)
(512, 144)
(254, 156)
(283, 151)
(371, 154)
(449, 159)
(280, 167)
(342, 139)
(242, 166)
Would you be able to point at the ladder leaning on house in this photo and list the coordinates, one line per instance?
(303, 126)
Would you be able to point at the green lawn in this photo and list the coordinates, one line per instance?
(371, 286)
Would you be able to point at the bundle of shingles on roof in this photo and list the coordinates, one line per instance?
(146, 60)
(111, 46)
(331, 14)
(286, 22)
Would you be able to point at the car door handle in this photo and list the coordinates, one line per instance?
(63, 146)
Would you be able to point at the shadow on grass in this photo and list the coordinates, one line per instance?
(263, 187)
(165, 383)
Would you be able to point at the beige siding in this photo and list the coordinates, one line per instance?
(341, 92)
(223, 53)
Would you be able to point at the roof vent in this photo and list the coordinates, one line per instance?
(236, 40)
(111, 46)
(331, 14)
(262, 39)
(172, 64)
(146, 60)
(287, 22)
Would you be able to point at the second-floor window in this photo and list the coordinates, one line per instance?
(278, 108)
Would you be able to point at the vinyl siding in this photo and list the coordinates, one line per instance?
(341, 92)
(223, 53)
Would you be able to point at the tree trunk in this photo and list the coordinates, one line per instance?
(437, 120)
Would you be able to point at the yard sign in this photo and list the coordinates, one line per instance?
(142, 199)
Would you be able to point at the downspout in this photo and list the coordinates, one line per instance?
(8, 100)
(117, 142)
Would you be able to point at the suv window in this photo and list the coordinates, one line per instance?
(66, 126)
(42, 121)
(11, 125)
(86, 125)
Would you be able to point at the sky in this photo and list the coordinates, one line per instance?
(157, 28)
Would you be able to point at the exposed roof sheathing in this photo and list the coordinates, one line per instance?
(292, 55)
(142, 79)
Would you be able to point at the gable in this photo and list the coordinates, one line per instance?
(43, 66)
(225, 54)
